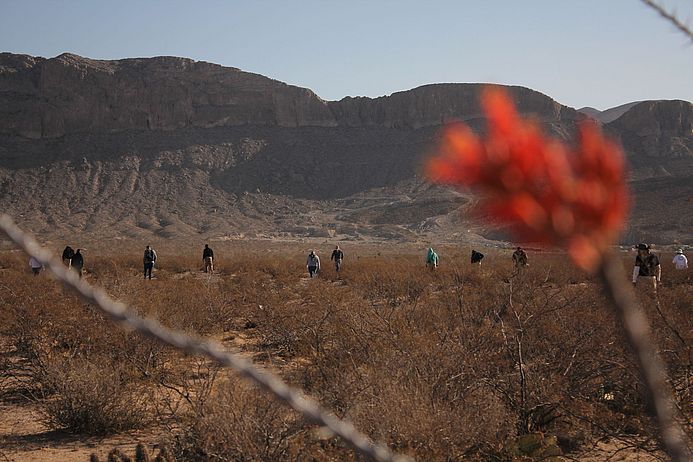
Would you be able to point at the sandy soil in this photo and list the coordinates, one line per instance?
(23, 437)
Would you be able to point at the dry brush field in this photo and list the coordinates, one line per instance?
(465, 363)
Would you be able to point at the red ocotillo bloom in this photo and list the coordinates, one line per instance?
(573, 197)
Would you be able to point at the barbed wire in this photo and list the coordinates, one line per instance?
(671, 17)
(120, 312)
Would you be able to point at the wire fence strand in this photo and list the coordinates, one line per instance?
(268, 381)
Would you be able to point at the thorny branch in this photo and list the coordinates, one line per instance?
(671, 17)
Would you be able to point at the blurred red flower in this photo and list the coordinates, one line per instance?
(549, 193)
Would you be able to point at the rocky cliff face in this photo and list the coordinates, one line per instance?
(434, 105)
(173, 147)
(47, 98)
(656, 129)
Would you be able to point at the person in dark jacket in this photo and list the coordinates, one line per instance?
(477, 257)
(337, 256)
(68, 253)
(149, 259)
(647, 270)
(208, 258)
(520, 257)
(78, 262)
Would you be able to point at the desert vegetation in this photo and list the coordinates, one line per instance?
(464, 363)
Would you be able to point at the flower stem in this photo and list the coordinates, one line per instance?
(652, 369)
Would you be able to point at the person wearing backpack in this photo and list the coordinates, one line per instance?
(208, 258)
(313, 263)
(149, 260)
(520, 258)
(432, 259)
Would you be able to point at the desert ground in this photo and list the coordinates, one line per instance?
(467, 362)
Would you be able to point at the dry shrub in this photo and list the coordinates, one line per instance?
(239, 423)
(295, 327)
(408, 411)
(92, 399)
(443, 365)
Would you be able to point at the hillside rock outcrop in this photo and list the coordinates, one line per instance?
(47, 98)
(434, 105)
(657, 129)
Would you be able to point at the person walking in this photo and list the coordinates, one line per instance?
(149, 259)
(432, 259)
(477, 257)
(35, 265)
(208, 258)
(647, 271)
(313, 264)
(337, 256)
(680, 261)
(78, 262)
(520, 258)
(68, 253)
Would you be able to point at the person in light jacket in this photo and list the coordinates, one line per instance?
(680, 261)
(35, 265)
(432, 259)
(313, 263)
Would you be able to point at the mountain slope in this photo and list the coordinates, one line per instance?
(608, 115)
(175, 148)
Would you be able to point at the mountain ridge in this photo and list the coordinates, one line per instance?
(610, 114)
(173, 147)
(197, 93)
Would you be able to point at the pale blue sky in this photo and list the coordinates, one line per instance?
(599, 53)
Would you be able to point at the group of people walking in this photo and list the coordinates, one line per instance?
(75, 260)
(519, 258)
(313, 261)
(647, 268)
(647, 272)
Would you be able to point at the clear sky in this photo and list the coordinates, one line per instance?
(599, 53)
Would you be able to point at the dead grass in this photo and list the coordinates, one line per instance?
(442, 365)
